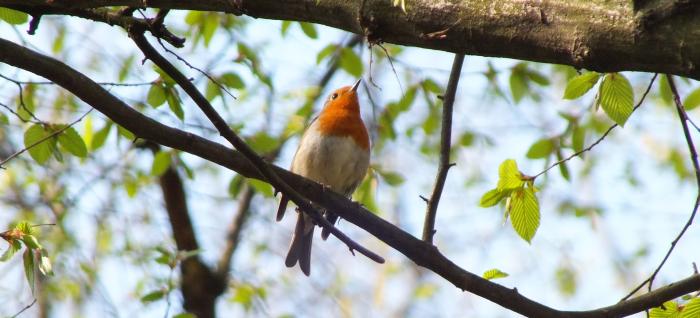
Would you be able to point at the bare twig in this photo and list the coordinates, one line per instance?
(445, 144)
(607, 132)
(234, 232)
(24, 309)
(21, 98)
(137, 34)
(683, 117)
(49, 136)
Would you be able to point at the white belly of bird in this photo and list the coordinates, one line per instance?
(335, 161)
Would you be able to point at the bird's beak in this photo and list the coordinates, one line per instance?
(354, 86)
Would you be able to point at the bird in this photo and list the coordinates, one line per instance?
(334, 151)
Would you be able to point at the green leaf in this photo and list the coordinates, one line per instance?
(325, 52)
(185, 315)
(3, 119)
(101, 136)
(70, 140)
(13, 16)
(262, 187)
(692, 100)
(668, 310)
(391, 178)
(581, 84)
(232, 80)
(28, 258)
(350, 62)
(564, 169)
(494, 274)
(211, 91)
(263, 142)
(536, 77)
(59, 40)
(211, 23)
(30, 241)
(540, 149)
(125, 133)
(509, 176)
(431, 86)
(174, 103)
(161, 162)
(309, 29)
(425, 290)
(491, 198)
(691, 309)
(156, 95)
(518, 85)
(41, 151)
(665, 90)
(14, 247)
(578, 137)
(566, 280)
(524, 212)
(126, 68)
(616, 97)
(153, 296)
(285, 27)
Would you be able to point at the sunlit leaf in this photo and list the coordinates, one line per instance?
(524, 212)
(616, 97)
(13, 16)
(232, 80)
(491, 198)
(174, 103)
(153, 296)
(351, 62)
(260, 186)
(41, 151)
(425, 290)
(692, 100)
(518, 85)
(285, 27)
(578, 137)
(30, 241)
(581, 84)
(325, 52)
(566, 280)
(161, 163)
(540, 149)
(101, 136)
(45, 266)
(494, 274)
(28, 261)
(509, 176)
(156, 95)
(14, 247)
(668, 310)
(309, 29)
(70, 140)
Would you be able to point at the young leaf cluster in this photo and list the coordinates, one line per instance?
(35, 257)
(615, 94)
(518, 191)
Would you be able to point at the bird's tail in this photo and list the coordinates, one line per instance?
(300, 249)
(282, 208)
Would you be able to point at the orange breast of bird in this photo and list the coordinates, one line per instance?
(341, 117)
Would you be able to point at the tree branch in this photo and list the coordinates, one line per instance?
(604, 36)
(416, 250)
(445, 144)
(683, 117)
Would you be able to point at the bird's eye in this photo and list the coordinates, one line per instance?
(334, 95)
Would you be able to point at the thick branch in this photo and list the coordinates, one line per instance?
(603, 36)
(445, 144)
(418, 251)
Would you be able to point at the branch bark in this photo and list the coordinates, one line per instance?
(418, 251)
(445, 144)
(604, 36)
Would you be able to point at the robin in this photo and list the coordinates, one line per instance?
(334, 151)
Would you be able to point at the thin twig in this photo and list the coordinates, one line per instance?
(53, 134)
(21, 98)
(445, 145)
(578, 153)
(235, 230)
(24, 309)
(683, 117)
(211, 78)
(137, 35)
